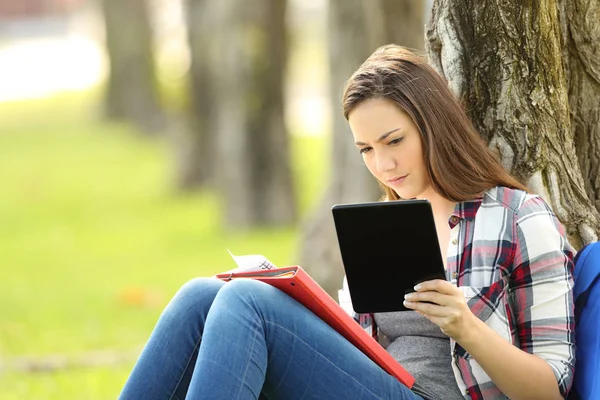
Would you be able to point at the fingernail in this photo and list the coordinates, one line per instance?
(408, 296)
(417, 287)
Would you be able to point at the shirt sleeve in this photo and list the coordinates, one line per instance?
(366, 321)
(541, 290)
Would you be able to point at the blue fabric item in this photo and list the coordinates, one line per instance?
(586, 385)
(247, 340)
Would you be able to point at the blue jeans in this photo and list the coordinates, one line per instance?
(248, 340)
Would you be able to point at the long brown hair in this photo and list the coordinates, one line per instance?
(460, 165)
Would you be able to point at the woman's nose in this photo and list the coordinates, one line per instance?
(385, 163)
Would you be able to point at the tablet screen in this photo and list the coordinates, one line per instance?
(387, 248)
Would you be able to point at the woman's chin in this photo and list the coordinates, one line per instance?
(408, 192)
(404, 194)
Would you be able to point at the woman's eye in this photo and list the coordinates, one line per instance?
(395, 141)
(364, 150)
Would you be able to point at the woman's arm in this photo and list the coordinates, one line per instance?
(541, 300)
(541, 290)
(518, 374)
(540, 296)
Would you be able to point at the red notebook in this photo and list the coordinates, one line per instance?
(299, 285)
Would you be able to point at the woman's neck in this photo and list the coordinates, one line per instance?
(442, 207)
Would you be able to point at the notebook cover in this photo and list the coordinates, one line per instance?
(306, 291)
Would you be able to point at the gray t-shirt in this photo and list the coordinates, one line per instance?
(423, 350)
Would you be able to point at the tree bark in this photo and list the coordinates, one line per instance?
(356, 29)
(197, 144)
(253, 146)
(131, 94)
(581, 33)
(503, 59)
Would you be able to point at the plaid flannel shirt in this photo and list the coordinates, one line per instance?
(509, 255)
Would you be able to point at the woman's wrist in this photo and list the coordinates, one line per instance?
(472, 333)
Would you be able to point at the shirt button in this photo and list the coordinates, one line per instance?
(454, 275)
(455, 241)
(454, 219)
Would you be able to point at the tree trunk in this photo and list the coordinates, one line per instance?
(356, 29)
(503, 59)
(404, 23)
(131, 93)
(253, 156)
(196, 144)
(581, 33)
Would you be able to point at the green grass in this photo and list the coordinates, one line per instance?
(93, 241)
(81, 384)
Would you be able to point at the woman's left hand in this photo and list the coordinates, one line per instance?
(450, 310)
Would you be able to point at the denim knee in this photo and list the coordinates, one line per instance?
(194, 298)
(247, 287)
(252, 292)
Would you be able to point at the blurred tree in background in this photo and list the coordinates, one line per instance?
(356, 29)
(252, 163)
(236, 135)
(131, 93)
(504, 60)
(199, 137)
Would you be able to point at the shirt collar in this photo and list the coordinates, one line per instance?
(465, 210)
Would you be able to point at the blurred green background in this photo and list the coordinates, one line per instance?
(139, 140)
(95, 238)
(93, 243)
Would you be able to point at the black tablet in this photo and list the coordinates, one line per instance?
(387, 248)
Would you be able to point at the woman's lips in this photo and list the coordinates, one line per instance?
(397, 181)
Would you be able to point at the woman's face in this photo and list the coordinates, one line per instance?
(390, 144)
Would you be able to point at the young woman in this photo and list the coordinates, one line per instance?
(501, 325)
